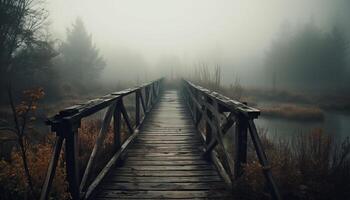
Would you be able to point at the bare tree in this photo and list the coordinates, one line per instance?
(21, 23)
(22, 115)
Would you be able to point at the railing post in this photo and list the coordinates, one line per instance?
(240, 156)
(263, 161)
(71, 153)
(208, 139)
(153, 94)
(197, 117)
(159, 85)
(147, 91)
(52, 168)
(137, 107)
(117, 125)
(155, 91)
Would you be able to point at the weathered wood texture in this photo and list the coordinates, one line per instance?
(165, 161)
(67, 122)
(220, 115)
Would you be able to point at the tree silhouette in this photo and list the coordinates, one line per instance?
(82, 63)
(309, 58)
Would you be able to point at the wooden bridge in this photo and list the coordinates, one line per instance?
(175, 148)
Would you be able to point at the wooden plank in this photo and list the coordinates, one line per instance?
(169, 133)
(164, 168)
(163, 151)
(161, 179)
(168, 137)
(170, 148)
(146, 135)
(164, 186)
(163, 154)
(158, 126)
(192, 198)
(159, 145)
(194, 142)
(217, 194)
(168, 173)
(171, 162)
(165, 161)
(133, 157)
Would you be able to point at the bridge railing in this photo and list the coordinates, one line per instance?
(67, 122)
(215, 116)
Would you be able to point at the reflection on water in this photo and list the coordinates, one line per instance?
(337, 124)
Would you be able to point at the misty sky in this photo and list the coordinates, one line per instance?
(225, 32)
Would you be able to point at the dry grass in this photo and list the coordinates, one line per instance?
(310, 166)
(87, 138)
(12, 180)
(279, 95)
(328, 100)
(293, 112)
(13, 183)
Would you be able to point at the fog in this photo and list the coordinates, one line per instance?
(146, 39)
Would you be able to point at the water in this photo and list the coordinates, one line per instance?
(337, 124)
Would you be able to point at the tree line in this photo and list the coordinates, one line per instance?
(34, 64)
(308, 58)
(31, 57)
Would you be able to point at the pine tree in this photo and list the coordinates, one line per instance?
(82, 63)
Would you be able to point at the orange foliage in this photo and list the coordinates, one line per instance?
(13, 180)
(30, 101)
(87, 137)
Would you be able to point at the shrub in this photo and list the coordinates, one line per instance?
(13, 183)
(310, 166)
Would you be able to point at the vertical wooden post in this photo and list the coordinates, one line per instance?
(240, 145)
(137, 107)
(194, 109)
(147, 97)
(208, 139)
(71, 154)
(152, 94)
(117, 115)
(208, 129)
(194, 114)
(158, 87)
(52, 168)
(198, 117)
(155, 90)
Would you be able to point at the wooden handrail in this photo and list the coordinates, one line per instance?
(220, 114)
(67, 122)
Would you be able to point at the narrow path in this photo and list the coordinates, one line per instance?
(165, 162)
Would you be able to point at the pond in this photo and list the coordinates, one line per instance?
(335, 123)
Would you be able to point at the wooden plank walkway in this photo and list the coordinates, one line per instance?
(165, 160)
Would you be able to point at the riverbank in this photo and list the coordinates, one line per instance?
(337, 100)
(292, 112)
